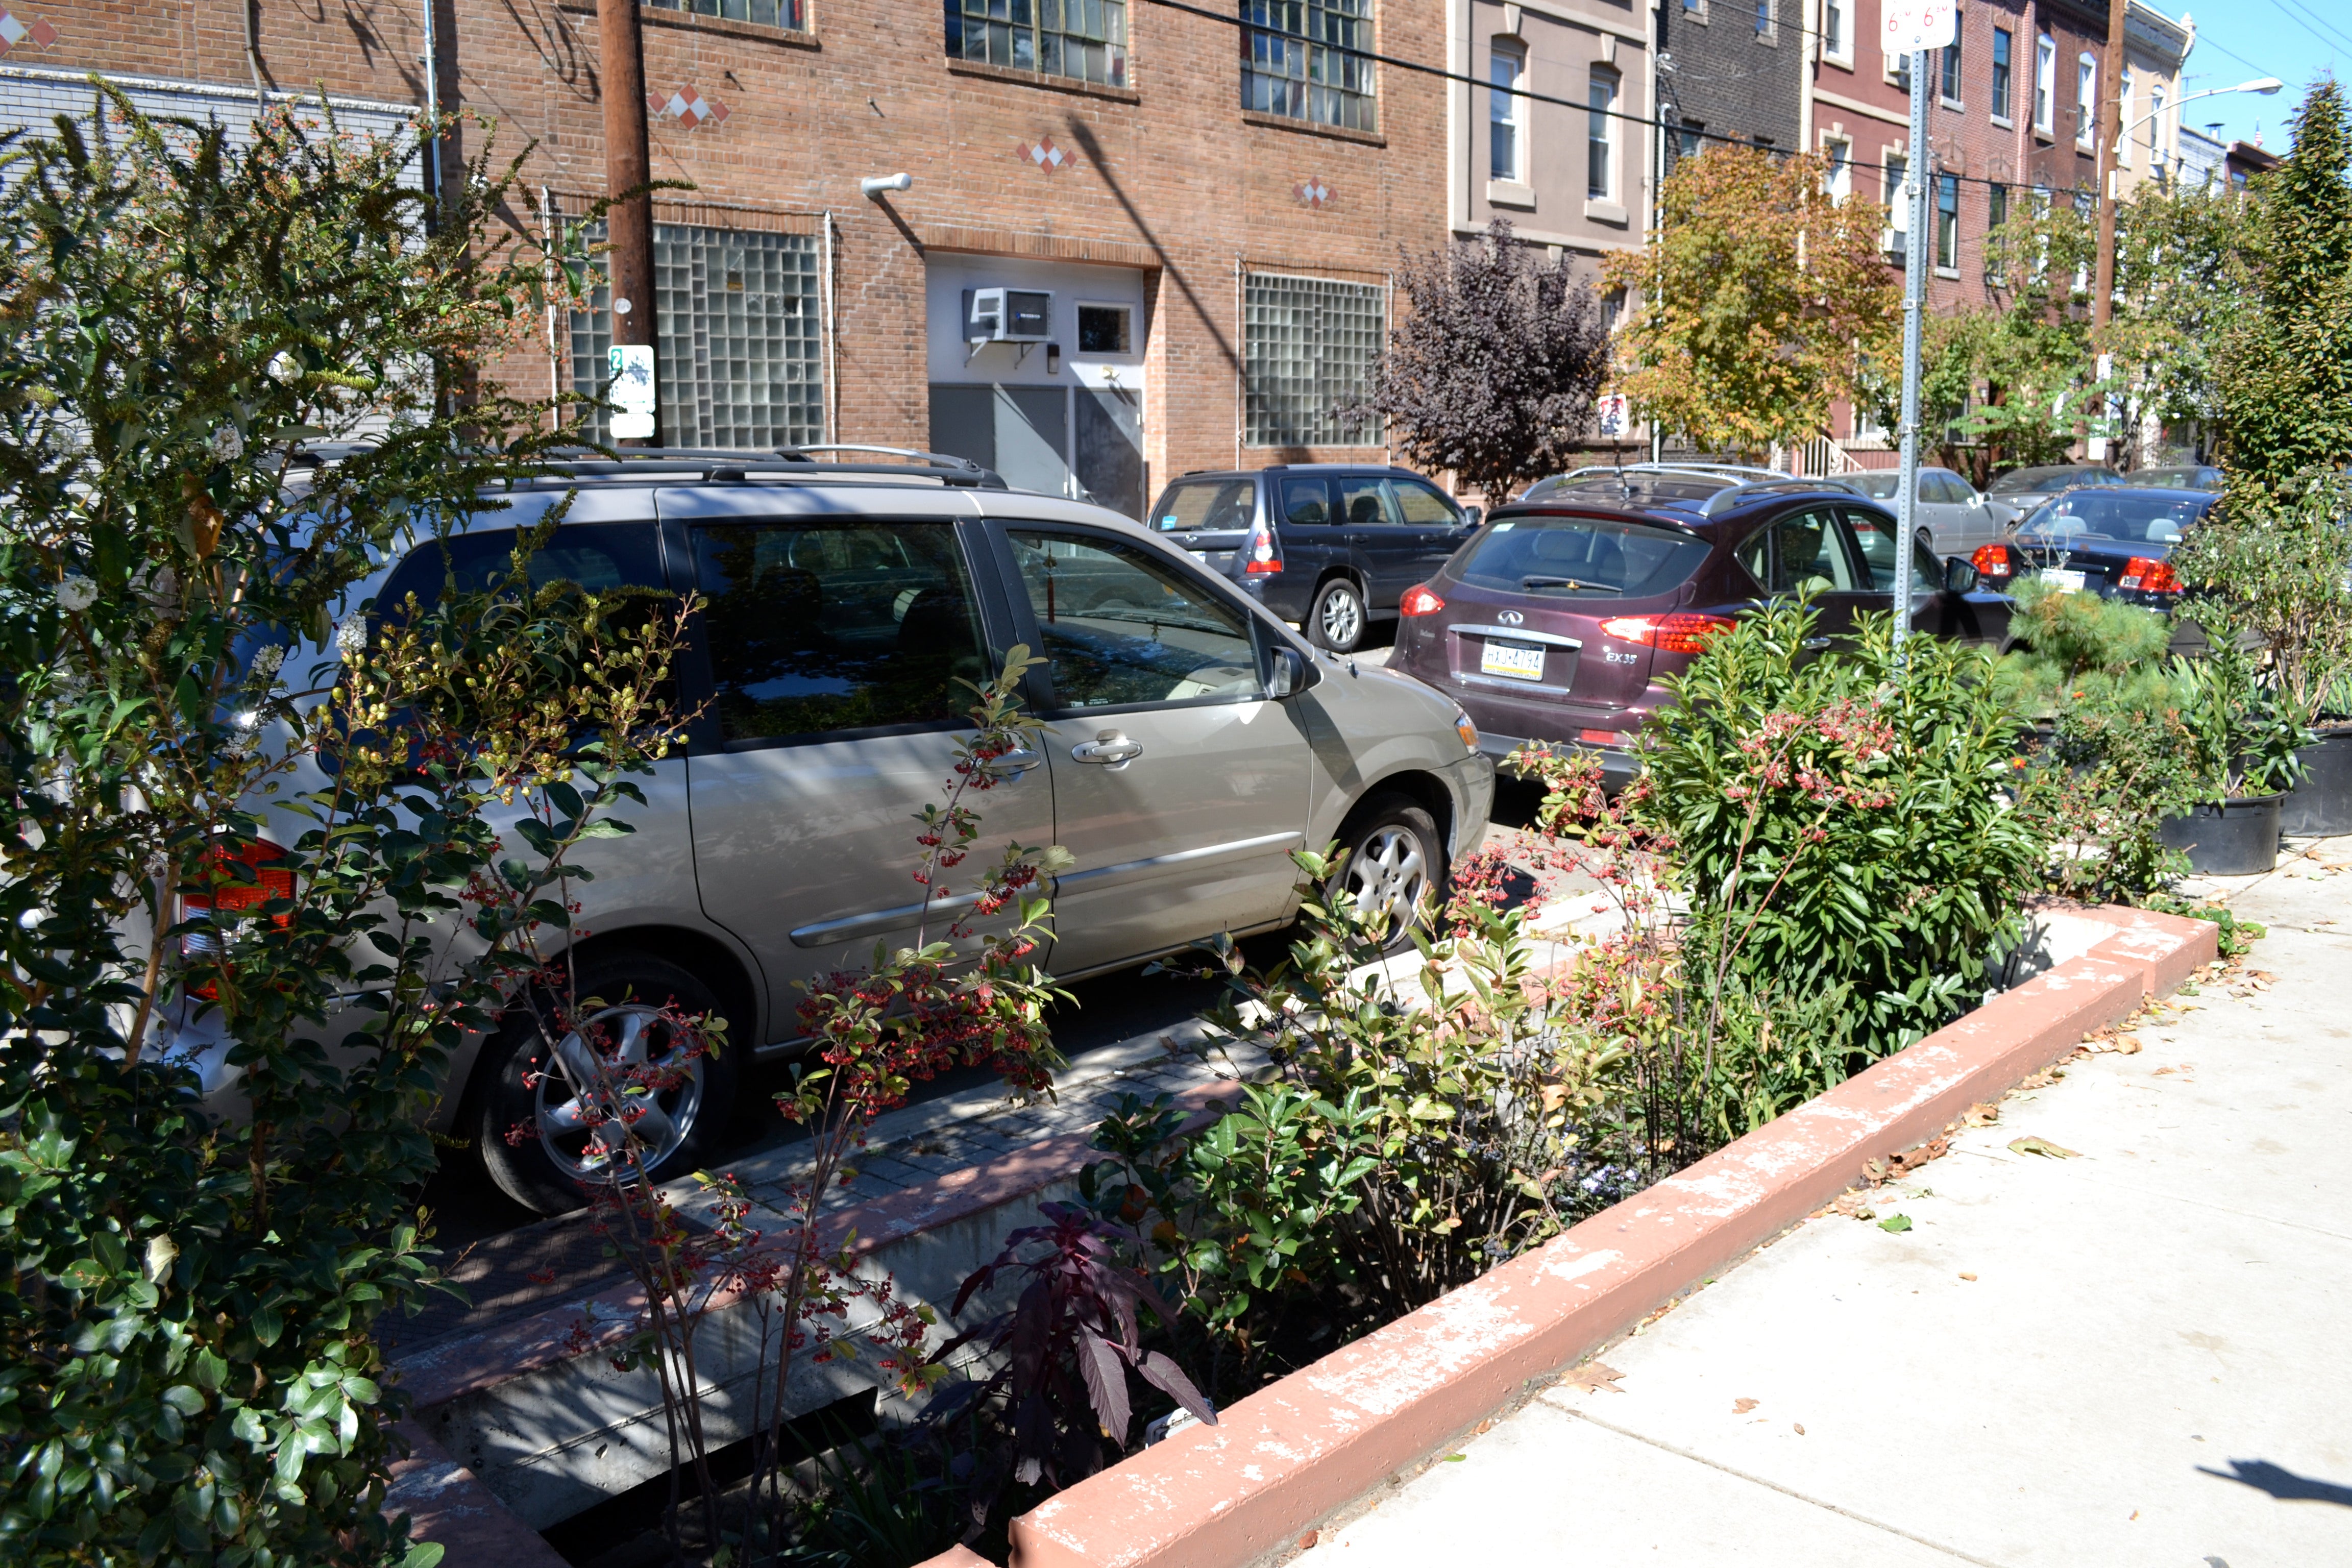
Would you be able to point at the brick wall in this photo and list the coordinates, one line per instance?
(1168, 178)
(1734, 78)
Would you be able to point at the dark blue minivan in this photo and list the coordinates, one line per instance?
(1332, 546)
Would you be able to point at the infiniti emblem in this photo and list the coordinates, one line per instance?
(1511, 618)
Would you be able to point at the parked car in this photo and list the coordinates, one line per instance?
(1954, 518)
(2194, 477)
(2022, 489)
(1192, 742)
(2116, 543)
(1331, 546)
(1562, 618)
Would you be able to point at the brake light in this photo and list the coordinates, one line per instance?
(1992, 560)
(1680, 632)
(194, 912)
(1600, 737)
(1418, 601)
(1263, 561)
(2150, 576)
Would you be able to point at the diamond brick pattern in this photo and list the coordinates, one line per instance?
(1313, 191)
(688, 108)
(1048, 157)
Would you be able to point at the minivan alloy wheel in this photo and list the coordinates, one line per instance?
(623, 1071)
(1389, 874)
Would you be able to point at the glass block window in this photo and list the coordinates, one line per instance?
(1306, 59)
(767, 13)
(1309, 348)
(1085, 39)
(739, 360)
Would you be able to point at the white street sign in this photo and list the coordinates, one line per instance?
(1911, 26)
(633, 392)
(1609, 414)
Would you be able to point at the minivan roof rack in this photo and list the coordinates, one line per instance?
(1719, 470)
(735, 463)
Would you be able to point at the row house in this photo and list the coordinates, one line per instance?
(2013, 117)
(1137, 240)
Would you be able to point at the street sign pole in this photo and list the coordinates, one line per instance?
(1914, 27)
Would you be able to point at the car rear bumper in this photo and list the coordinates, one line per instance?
(1618, 766)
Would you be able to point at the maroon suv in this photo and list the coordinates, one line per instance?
(1562, 616)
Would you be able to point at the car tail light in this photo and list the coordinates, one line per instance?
(1992, 560)
(2150, 576)
(1600, 737)
(1418, 601)
(1262, 560)
(194, 912)
(1680, 632)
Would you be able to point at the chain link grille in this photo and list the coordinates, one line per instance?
(1309, 348)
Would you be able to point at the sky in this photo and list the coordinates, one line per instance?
(2239, 40)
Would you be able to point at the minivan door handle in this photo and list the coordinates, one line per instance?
(1814, 644)
(1019, 762)
(1110, 748)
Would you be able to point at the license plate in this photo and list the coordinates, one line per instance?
(2064, 581)
(1519, 660)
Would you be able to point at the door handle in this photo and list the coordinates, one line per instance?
(1110, 748)
(1814, 644)
(1019, 762)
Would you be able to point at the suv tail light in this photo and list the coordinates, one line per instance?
(2150, 576)
(1992, 560)
(194, 912)
(1418, 601)
(1681, 632)
(1264, 560)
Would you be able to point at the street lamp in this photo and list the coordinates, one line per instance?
(2265, 85)
(2102, 299)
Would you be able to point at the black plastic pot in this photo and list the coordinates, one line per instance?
(2236, 838)
(2320, 805)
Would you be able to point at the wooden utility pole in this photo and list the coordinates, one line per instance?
(2111, 130)
(628, 166)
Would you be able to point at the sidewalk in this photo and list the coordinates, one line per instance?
(2132, 1356)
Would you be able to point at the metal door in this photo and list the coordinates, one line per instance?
(827, 649)
(1179, 788)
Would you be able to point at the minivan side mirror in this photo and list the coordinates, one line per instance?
(1472, 516)
(1960, 575)
(1290, 673)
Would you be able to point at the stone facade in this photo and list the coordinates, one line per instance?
(1150, 189)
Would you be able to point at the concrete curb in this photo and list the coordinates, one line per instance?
(1286, 1457)
(447, 1504)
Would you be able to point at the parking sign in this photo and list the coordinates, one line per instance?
(1910, 26)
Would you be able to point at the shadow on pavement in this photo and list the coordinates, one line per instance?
(2281, 1482)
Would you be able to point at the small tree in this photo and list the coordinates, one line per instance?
(1494, 372)
(1763, 298)
(2286, 371)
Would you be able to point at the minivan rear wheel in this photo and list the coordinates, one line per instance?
(623, 1089)
(1339, 617)
(1395, 865)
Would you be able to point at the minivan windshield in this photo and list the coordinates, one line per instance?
(1581, 557)
(1206, 506)
(2117, 514)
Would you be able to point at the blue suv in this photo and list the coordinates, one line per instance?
(1331, 546)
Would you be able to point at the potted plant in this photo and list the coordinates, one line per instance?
(2278, 573)
(2240, 735)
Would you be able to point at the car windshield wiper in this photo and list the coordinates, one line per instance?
(1569, 583)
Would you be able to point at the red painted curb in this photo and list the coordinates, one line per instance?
(1288, 1455)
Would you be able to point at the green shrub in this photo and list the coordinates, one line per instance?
(1842, 821)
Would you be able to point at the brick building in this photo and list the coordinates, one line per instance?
(1212, 212)
(1730, 68)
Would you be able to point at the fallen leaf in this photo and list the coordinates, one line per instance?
(1485, 1427)
(1982, 1115)
(1742, 1406)
(2162, 1072)
(2030, 1144)
(1594, 1376)
(2043, 1079)
(2128, 1045)
(1455, 1458)
(1800, 1426)
(1896, 1224)
(1311, 1537)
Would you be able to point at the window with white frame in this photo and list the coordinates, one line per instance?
(1949, 86)
(1948, 222)
(1308, 345)
(1835, 42)
(1839, 153)
(1506, 116)
(1308, 59)
(1768, 25)
(1899, 70)
(2001, 47)
(1083, 39)
(2129, 90)
(2087, 97)
(1898, 206)
(1601, 136)
(2158, 149)
(739, 360)
(2045, 85)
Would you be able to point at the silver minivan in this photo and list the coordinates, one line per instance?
(1192, 743)
(1954, 517)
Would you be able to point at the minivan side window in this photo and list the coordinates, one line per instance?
(1306, 502)
(1206, 506)
(1117, 626)
(599, 556)
(1422, 506)
(817, 627)
(1362, 505)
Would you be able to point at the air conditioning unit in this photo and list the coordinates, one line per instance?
(1007, 315)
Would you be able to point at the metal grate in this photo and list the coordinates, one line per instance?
(739, 359)
(1085, 39)
(1309, 344)
(1306, 59)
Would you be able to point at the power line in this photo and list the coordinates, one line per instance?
(1687, 133)
(2317, 27)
